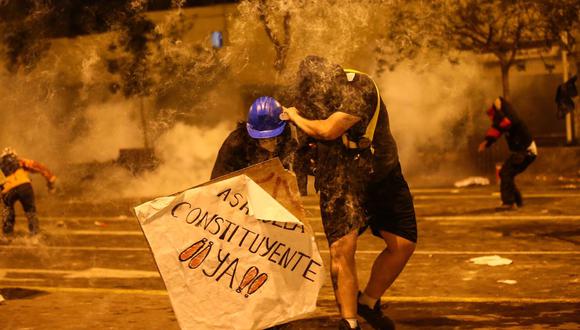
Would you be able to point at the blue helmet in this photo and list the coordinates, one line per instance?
(264, 118)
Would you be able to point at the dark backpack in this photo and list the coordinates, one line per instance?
(9, 164)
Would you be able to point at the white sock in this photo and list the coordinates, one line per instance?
(353, 323)
(367, 300)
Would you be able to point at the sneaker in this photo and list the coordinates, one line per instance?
(375, 317)
(343, 325)
(519, 199)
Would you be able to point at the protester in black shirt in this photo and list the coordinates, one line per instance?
(504, 120)
(360, 181)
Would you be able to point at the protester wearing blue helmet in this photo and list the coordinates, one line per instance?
(264, 118)
(262, 137)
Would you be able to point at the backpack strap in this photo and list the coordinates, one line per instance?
(366, 140)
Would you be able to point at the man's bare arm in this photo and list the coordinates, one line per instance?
(327, 129)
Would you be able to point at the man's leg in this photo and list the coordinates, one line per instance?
(8, 219)
(388, 264)
(514, 165)
(343, 274)
(29, 206)
(519, 168)
(386, 268)
(518, 198)
(507, 181)
(8, 213)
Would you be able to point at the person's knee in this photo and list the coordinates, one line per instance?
(29, 208)
(504, 174)
(397, 245)
(343, 250)
(8, 213)
(407, 248)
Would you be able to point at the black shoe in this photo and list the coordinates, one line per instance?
(344, 325)
(519, 199)
(375, 317)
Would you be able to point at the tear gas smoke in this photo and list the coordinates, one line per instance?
(186, 154)
(336, 30)
(433, 113)
(63, 112)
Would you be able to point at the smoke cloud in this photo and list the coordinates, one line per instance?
(433, 113)
(64, 112)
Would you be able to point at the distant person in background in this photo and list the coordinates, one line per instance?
(262, 137)
(523, 150)
(18, 188)
(565, 95)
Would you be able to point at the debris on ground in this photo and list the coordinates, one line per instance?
(100, 224)
(491, 261)
(1, 299)
(568, 179)
(472, 181)
(541, 178)
(60, 223)
(510, 282)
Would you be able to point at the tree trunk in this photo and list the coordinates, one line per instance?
(144, 125)
(505, 80)
(576, 110)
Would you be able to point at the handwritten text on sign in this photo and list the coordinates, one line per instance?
(235, 246)
(220, 228)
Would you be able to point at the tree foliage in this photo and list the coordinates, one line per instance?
(561, 24)
(276, 21)
(502, 28)
(412, 30)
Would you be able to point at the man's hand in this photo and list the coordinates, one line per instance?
(482, 146)
(51, 185)
(288, 114)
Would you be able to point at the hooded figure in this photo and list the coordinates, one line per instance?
(505, 120)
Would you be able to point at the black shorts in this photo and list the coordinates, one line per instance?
(385, 204)
(389, 206)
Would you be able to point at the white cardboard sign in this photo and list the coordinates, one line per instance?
(232, 257)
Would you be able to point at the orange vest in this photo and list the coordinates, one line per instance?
(15, 179)
(20, 176)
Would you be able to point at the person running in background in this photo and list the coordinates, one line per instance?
(17, 187)
(523, 150)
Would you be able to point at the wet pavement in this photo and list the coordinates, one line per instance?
(93, 268)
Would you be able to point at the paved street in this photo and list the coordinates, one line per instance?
(93, 268)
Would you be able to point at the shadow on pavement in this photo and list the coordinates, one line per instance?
(19, 293)
(557, 231)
